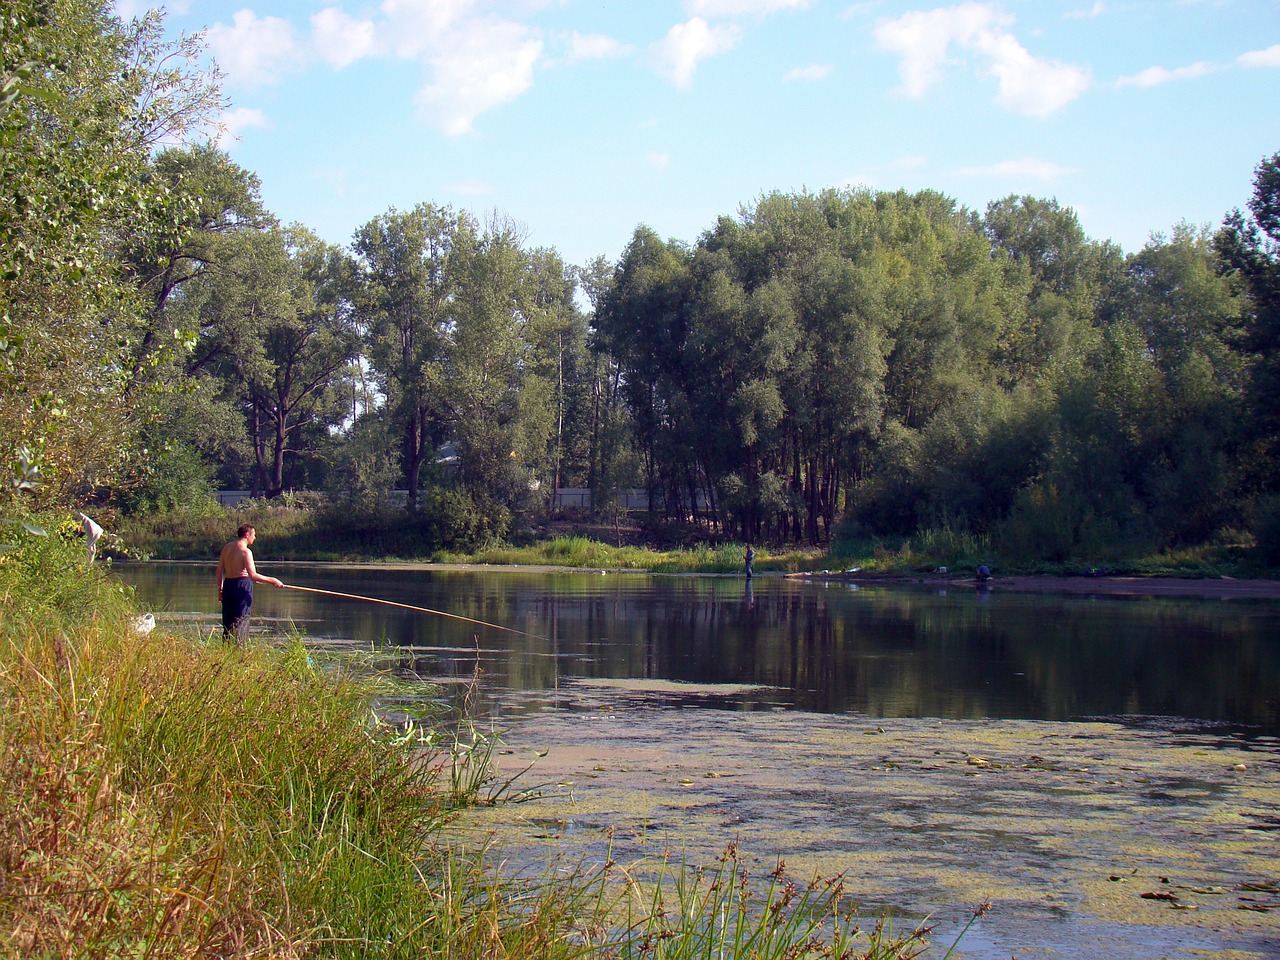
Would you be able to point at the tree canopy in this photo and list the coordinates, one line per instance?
(851, 363)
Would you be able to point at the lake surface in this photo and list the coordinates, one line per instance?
(825, 647)
(1104, 771)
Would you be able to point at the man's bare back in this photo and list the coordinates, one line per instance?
(236, 562)
(236, 576)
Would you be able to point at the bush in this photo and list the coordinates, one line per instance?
(45, 577)
(1053, 525)
(174, 475)
(1266, 530)
(455, 520)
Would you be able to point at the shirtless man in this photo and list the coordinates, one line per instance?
(236, 577)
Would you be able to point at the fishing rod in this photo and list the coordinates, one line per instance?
(410, 606)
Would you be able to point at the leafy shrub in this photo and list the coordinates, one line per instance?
(1056, 525)
(46, 577)
(1266, 530)
(453, 519)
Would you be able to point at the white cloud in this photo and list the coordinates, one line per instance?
(481, 64)
(341, 39)
(416, 27)
(595, 46)
(1154, 76)
(1025, 83)
(1084, 13)
(237, 119)
(910, 163)
(658, 160)
(922, 40)
(1269, 57)
(254, 51)
(473, 62)
(815, 71)
(678, 54)
(741, 8)
(1028, 168)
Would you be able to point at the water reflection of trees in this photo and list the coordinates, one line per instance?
(884, 652)
(898, 653)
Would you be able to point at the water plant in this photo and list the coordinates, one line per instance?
(722, 911)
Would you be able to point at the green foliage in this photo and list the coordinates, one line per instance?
(175, 475)
(687, 913)
(1250, 251)
(887, 361)
(45, 578)
(1266, 530)
(1055, 525)
(366, 466)
(405, 277)
(94, 94)
(452, 518)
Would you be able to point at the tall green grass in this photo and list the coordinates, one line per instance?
(709, 913)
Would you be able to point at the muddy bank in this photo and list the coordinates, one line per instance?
(1223, 588)
(1089, 839)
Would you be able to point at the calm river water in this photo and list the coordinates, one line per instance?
(1104, 771)
(880, 651)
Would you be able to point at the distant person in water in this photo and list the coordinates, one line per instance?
(236, 577)
(748, 558)
(984, 572)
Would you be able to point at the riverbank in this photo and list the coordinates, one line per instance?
(1224, 588)
(301, 534)
(1209, 588)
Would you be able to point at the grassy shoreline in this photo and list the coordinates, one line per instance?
(300, 534)
(169, 796)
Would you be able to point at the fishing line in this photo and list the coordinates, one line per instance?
(410, 606)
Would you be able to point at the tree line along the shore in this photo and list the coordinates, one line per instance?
(843, 364)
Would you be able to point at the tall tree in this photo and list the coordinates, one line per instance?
(1250, 249)
(208, 200)
(302, 341)
(186, 390)
(609, 467)
(483, 369)
(557, 333)
(643, 322)
(408, 268)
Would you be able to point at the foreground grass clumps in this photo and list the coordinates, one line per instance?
(170, 797)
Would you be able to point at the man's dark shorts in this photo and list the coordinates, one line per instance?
(237, 600)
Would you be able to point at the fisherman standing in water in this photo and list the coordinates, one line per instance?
(236, 577)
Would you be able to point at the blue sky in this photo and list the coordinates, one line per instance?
(582, 120)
